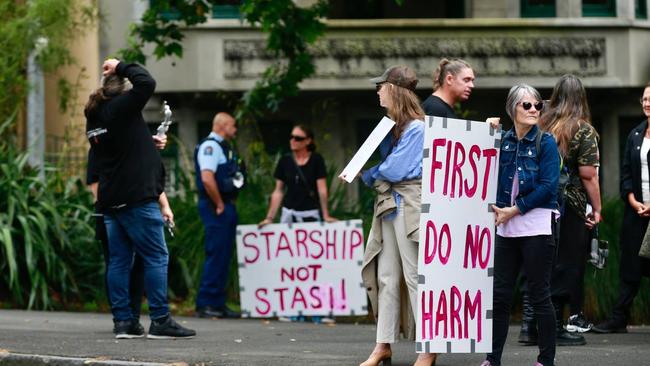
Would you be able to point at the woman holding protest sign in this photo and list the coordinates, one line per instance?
(567, 118)
(391, 255)
(525, 210)
(303, 173)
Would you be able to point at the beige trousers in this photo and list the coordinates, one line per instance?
(398, 259)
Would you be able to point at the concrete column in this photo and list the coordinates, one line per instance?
(187, 128)
(36, 109)
(609, 156)
(513, 8)
(625, 9)
(569, 9)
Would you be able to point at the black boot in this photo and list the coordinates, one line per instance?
(528, 332)
(562, 337)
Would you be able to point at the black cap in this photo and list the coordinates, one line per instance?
(399, 75)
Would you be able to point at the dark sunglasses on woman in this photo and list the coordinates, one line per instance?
(527, 105)
(297, 138)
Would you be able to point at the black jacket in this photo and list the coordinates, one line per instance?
(129, 166)
(631, 169)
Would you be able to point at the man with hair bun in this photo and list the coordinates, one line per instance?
(453, 81)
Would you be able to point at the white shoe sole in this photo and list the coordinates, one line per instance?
(128, 336)
(576, 329)
(153, 336)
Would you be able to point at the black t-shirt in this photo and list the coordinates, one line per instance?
(123, 154)
(298, 196)
(434, 106)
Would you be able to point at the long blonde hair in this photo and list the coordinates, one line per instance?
(567, 109)
(404, 107)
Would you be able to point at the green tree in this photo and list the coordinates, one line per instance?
(290, 30)
(46, 252)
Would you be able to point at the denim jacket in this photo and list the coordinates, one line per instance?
(538, 172)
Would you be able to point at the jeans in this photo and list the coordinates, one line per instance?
(137, 229)
(136, 288)
(219, 241)
(534, 255)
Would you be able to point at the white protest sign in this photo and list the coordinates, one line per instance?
(301, 269)
(455, 258)
(365, 151)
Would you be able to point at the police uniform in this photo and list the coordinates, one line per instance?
(214, 154)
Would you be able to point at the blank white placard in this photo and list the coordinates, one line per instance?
(365, 151)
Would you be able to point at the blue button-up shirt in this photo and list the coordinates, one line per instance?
(400, 162)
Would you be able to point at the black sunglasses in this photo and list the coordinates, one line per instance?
(297, 138)
(527, 105)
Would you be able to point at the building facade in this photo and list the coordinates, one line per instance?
(506, 41)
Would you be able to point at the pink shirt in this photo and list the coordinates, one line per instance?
(535, 222)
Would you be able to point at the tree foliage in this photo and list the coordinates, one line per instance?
(43, 25)
(290, 30)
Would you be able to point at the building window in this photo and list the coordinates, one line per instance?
(598, 8)
(537, 8)
(227, 9)
(641, 9)
(390, 9)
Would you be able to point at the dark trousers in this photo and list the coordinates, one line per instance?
(567, 280)
(632, 267)
(136, 283)
(219, 240)
(534, 255)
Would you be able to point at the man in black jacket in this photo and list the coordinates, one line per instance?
(131, 183)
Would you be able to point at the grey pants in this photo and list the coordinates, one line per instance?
(398, 259)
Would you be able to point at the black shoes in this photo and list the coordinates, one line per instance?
(222, 312)
(167, 328)
(610, 326)
(127, 329)
(564, 338)
(528, 333)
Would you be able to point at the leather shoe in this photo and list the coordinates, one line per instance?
(610, 326)
(211, 312)
(380, 357)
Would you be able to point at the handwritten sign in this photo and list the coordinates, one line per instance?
(455, 260)
(301, 269)
(365, 151)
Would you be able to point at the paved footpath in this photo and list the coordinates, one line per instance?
(61, 339)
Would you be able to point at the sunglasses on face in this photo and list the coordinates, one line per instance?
(297, 138)
(527, 105)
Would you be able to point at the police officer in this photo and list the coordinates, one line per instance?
(218, 179)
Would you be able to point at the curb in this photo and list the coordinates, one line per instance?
(19, 359)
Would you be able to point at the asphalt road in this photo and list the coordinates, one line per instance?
(28, 338)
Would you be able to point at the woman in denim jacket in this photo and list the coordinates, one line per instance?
(525, 208)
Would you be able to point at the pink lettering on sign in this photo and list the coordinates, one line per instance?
(302, 298)
(260, 295)
(478, 246)
(433, 243)
(304, 273)
(452, 314)
(458, 184)
(251, 246)
(328, 244)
